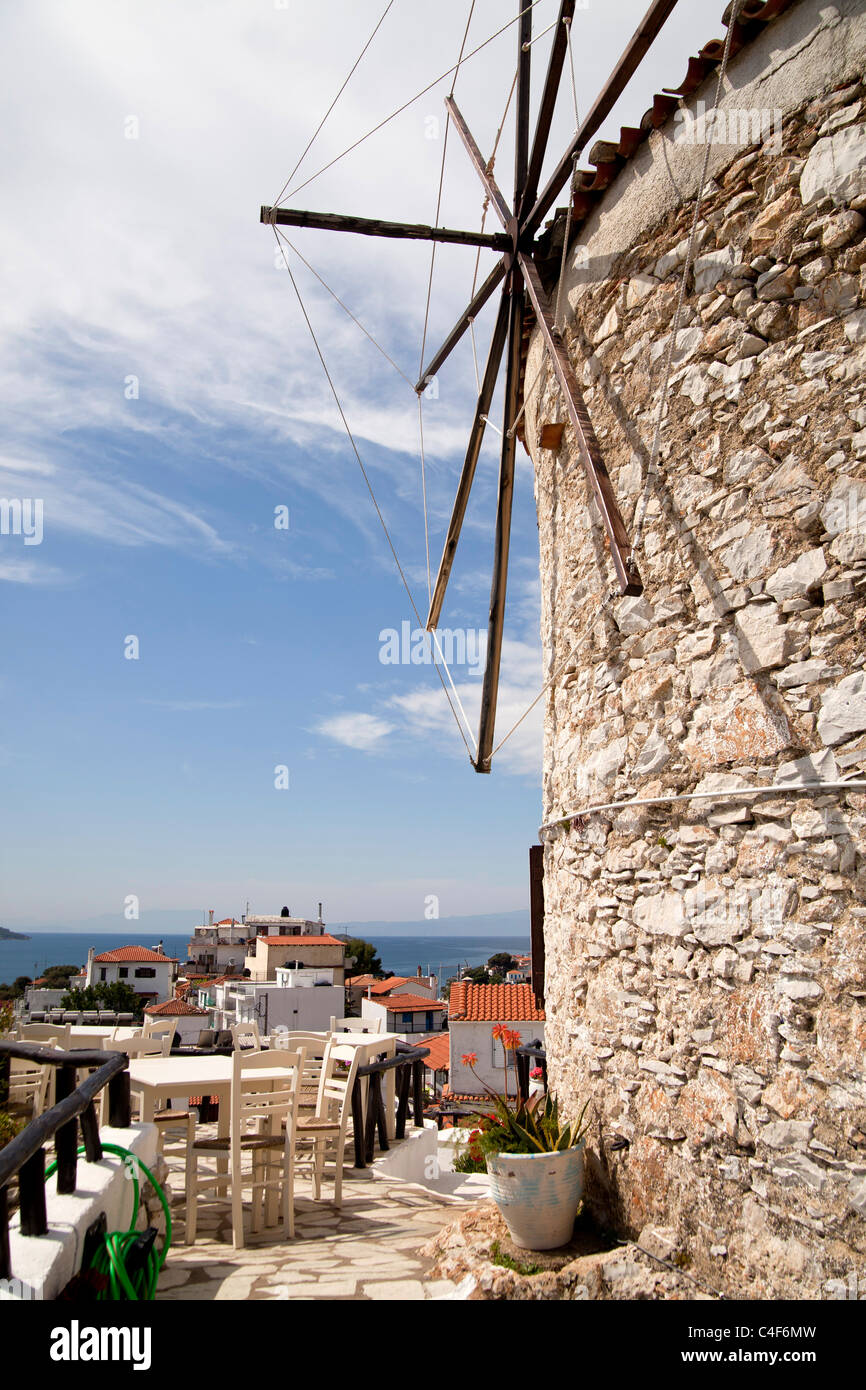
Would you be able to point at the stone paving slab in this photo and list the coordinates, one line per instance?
(369, 1249)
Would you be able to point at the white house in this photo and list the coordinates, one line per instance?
(148, 972)
(190, 1018)
(473, 1012)
(220, 947)
(304, 1004)
(406, 1013)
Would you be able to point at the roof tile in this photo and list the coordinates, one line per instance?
(471, 1002)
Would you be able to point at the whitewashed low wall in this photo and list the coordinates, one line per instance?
(43, 1265)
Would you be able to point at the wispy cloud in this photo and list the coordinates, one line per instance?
(364, 732)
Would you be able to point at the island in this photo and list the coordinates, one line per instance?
(7, 935)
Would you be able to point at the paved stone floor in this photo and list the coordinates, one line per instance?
(368, 1249)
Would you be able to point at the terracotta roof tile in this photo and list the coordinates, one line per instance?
(439, 1046)
(175, 1008)
(301, 940)
(472, 1002)
(133, 953)
(404, 1003)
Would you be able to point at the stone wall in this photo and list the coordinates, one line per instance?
(706, 960)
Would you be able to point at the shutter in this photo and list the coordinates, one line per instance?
(536, 920)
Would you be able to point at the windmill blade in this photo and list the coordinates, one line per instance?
(485, 396)
(548, 103)
(521, 134)
(490, 689)
(613, 89)
(590, 452)
(500, 207)
(371, 226)
(496, 276)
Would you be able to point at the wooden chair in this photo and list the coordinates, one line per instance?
(357, 1025)
(50, 1034)
(260, 1109)
(324, 1133)
(315, 1047)
(246, 1037)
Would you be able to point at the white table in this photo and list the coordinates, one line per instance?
(91, 1034)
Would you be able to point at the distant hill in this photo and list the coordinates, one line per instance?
(7, 935)
(482, 924)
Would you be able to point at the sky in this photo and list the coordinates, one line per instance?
(200, 703)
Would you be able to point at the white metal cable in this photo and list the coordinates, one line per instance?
(406, 104)
(424, 501)
(344, 307)
(332, 105)
(366, 478)
(727, 793)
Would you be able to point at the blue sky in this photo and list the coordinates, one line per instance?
(144, 258)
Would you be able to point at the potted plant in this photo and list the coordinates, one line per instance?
(536, 1082)
(535, 1165)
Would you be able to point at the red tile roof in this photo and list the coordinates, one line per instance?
(175, 1008)
(439, 1047)
(133, 953)
(381, 986)
(405, 1003)
(472, 1002)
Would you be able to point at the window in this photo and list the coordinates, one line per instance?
(428, 1023)
(406, 1025)
(145, 972)
(102, 972)
(123, 972)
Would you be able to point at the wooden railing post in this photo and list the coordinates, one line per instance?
(90, 1134)
(66, 1138)
(370, 1124)
(402, 1101)
(5, 1261)
(358, 1124)
(418, 1092)
(31, 1194)
(119, 1110)
(379, 1105)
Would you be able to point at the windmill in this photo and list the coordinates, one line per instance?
(522, 293)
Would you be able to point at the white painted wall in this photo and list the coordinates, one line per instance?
(478, 1038)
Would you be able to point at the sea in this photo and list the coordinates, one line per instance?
(438, 955)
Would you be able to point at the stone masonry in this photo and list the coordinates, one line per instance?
(706, 959)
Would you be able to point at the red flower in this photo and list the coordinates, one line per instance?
(469, 1059)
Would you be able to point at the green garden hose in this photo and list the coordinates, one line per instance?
(128, 1261)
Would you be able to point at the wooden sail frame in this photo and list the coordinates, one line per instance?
(521, 288)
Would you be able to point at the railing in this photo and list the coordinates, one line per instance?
(24, 1156)
(529, 1052)
(409, 1066)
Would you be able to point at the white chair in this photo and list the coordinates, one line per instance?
(315, 1047)
(51, 1034)
(246, 1037)
(325, 1131)
(357, 1025)
(28, 1087)
(266, 1103)
(160, 1028)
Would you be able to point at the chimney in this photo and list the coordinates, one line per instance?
(369, 991)
(210, 913)
(419, 972)
(89, 975)
(159, 948)
(320, 912)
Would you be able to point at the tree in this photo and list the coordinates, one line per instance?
(367, 961)
(17, 987)
(119, 997)
(502, 962)
(58, 976)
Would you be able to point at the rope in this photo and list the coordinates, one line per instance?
(567, 23)
(424, 500)
(611, 593)
(406, 104)
(345, 308)
(365, 476)
(333, 104)
(643, 503)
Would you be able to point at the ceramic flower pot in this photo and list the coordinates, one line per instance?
(538, 1195)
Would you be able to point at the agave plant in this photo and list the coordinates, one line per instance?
(533, 1127)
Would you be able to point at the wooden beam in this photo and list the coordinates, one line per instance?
(590, 452)
(536, 920)
(496, 276)
(500, 207)
(610, 94)
(476, 436)
(490, 688)
(548, 103)
(521, 134)
(369, 226)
